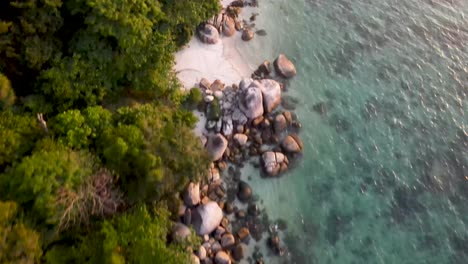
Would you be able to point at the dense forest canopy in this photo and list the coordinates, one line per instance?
(94, 140)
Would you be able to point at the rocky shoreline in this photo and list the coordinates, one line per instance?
(245, 122)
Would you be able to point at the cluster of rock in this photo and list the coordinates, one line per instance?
(227, 23)
(244, 121)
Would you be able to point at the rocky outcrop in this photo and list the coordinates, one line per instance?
(274, 162)
(251, 102)
(207, 218)
(208, 34)
(216, 146)
(284, 66)
(271, 92)
(192, 194)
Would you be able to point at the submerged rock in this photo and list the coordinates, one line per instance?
(244, 192)
(206, 218)
(238, 252)
(284, 66)
(247, 34)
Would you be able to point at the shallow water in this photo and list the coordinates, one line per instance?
(384, 178)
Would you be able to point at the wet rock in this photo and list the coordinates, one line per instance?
(206, 218)
(247, 34)
(263, 69)
(253, 210)
(284, 66)
(288, 116)
(238, 252)
(229, 26)
(244, 192)
(280, 123)
(208, 34)
(251, 102)
(240, 139)
(243, 233)
(228, 208)
(271, 92)
(241, 214)
(180, 233)
(216, 146)
(192, 194)
(227, 241)
(222, 258)
(292, 144)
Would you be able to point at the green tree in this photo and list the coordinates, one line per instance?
(36, 182)
(78, 129)
(18, 134)
(7, 95)
(154, 150)
(138, 236)
(18, 244)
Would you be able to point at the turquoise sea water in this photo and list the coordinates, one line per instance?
(384, 178)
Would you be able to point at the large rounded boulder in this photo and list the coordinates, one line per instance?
(251, 102)
(206, 218)
(208, 34)
(216, 146)
(292, 144)
(271, 92)
(284, 66)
